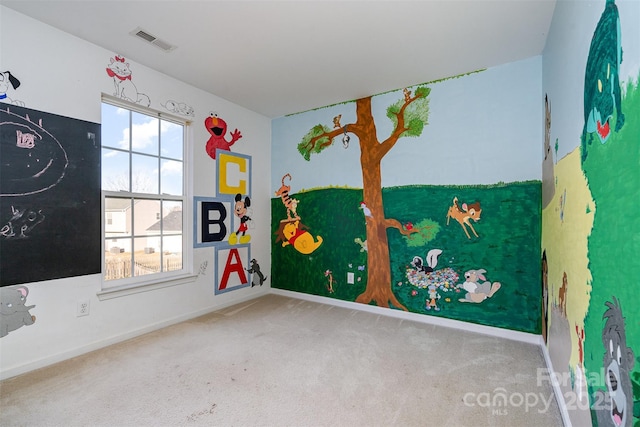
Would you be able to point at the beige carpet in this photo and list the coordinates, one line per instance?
(277, 361)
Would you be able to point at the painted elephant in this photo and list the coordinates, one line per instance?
(13, 312)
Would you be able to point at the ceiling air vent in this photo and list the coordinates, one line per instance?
(146, 36)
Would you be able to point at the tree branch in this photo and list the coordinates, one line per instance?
(394, 223)
(313, 141)
(388, 143)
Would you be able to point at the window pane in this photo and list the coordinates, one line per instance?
(117, 259)
(172, 249)
(146, 256)
(147, 217)
(115, 127)
(142, 155)
(145, 174)
(115, 170)
(172, 221)
(171, 175)
(144, 134)
(117, 213)
(171, 140)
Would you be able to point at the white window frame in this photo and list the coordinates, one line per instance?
(121, 287)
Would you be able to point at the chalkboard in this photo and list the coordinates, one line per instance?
(50, 202)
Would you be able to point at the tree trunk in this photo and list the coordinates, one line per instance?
(378, 288)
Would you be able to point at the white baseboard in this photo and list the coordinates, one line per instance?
(564, 411)
(433, 320)
(50, 360)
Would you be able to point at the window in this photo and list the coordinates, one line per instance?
(144, 200)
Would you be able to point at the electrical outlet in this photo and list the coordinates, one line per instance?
(83, 308)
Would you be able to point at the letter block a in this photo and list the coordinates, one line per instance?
(231, 265)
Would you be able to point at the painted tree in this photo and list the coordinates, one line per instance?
(409, 115)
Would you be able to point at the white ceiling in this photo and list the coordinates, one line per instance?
(283, 57)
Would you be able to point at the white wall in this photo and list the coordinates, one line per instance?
(64, 75)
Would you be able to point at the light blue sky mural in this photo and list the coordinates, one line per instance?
(565, 61)
(492, 106)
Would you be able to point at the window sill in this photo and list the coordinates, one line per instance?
(124, 290)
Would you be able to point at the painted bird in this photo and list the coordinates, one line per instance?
(366, 210)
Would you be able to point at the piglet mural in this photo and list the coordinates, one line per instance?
(14, 314)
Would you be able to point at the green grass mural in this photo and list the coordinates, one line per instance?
(613, 174)
(509, 238)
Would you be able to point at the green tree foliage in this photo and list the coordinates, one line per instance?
(416, 114)
(308, 146)
(428, 229)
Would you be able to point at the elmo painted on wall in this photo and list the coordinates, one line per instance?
(218, 129)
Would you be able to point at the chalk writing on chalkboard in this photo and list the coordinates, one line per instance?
(33, 161)
(49, 196)
(21, 223)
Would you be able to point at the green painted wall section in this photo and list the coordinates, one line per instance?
(508, 239)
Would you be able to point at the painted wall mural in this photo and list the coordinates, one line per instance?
(257, 277)
(9, 82)
(124, 88)
(613, 252)
(567, 223)
(180, 108)
(589, 241)
(548, 177)
(601, 81)
(14, 313)
(291, 231)
(217, 127)
(409, 114)
(618, 362)
(466, 252)
(436, 270)
(224, 222)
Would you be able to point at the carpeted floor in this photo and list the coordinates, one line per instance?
(278, 361)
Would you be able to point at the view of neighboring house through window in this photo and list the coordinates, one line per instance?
(143, 189)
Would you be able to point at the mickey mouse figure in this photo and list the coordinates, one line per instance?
(240, 210)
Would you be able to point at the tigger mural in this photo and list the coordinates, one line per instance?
(288, 202)
(291, 230)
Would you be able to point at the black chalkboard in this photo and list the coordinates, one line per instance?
(50, 206)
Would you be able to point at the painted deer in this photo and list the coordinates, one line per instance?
(562, 295)
(465, 215)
